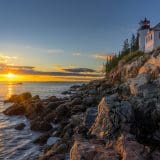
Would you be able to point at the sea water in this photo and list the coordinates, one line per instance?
(17, 144)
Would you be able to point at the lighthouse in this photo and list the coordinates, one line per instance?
(142, 31)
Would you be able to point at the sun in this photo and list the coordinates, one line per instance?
(10, 76)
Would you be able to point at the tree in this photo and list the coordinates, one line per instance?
(134, 43)
(137, 42)
(126, 47)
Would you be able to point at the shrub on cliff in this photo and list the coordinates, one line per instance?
(131, 56)
(129, 52)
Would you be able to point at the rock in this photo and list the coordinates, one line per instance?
(30, 109)
(33, 110)
(74, 87)
(15, 109)
(53, 99)
(20, 98)
(54, 105)
(107, 120)
(76, 101)
(20, 126)
(52, 140)
(67, 131)
(42, 139)
(83, 150)
(62, 148)
(62, 109)
(36, 97)
(78, 108)
(152, 66)
(40, 126)
(91, 100)
(66, 92)
(90, 117)
(156, 137)
(112, 114)
(50, 117)
(138, 83)
(126, 112)
(58, 148)
(129, 148)
(76, 120)
(155, 155)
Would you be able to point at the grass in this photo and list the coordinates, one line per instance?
(127, 58)
(132, 56)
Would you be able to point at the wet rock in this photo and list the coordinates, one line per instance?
(74, 87)
(42, 139)
(20, 126)
(33, 110)
(66, 92)
(40, 126)
(15, 109)
(36, 97)
(53, 99)
(54, 105)
(52, 140)
(20, 98)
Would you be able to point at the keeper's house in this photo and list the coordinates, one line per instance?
(149, 38)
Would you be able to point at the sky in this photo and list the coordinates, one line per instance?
(66, 39)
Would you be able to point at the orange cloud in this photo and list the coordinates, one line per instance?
(6, 59)
(104, 56)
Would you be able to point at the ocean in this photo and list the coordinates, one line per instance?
(15, 144)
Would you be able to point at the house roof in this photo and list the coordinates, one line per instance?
(156, 27)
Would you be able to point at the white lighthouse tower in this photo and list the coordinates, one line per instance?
(144, 28)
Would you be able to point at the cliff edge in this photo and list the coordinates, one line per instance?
(110, 119)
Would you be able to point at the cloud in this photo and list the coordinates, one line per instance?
(55, 51)
(76, 54)
(11, 68)
(45, 50)
(30, 70)
(104, 56)
(5, 59)
(73, 69)
(79, 70)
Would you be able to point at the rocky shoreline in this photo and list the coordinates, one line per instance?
(109, 119)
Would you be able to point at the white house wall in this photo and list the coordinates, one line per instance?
(157, 39)
(149, 44)
(142, 34)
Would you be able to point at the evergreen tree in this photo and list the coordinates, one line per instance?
(126, 47)
(133, 43)
(137, 42)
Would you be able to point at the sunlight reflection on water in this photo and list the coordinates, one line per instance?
(14, 144)
(10, 90)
